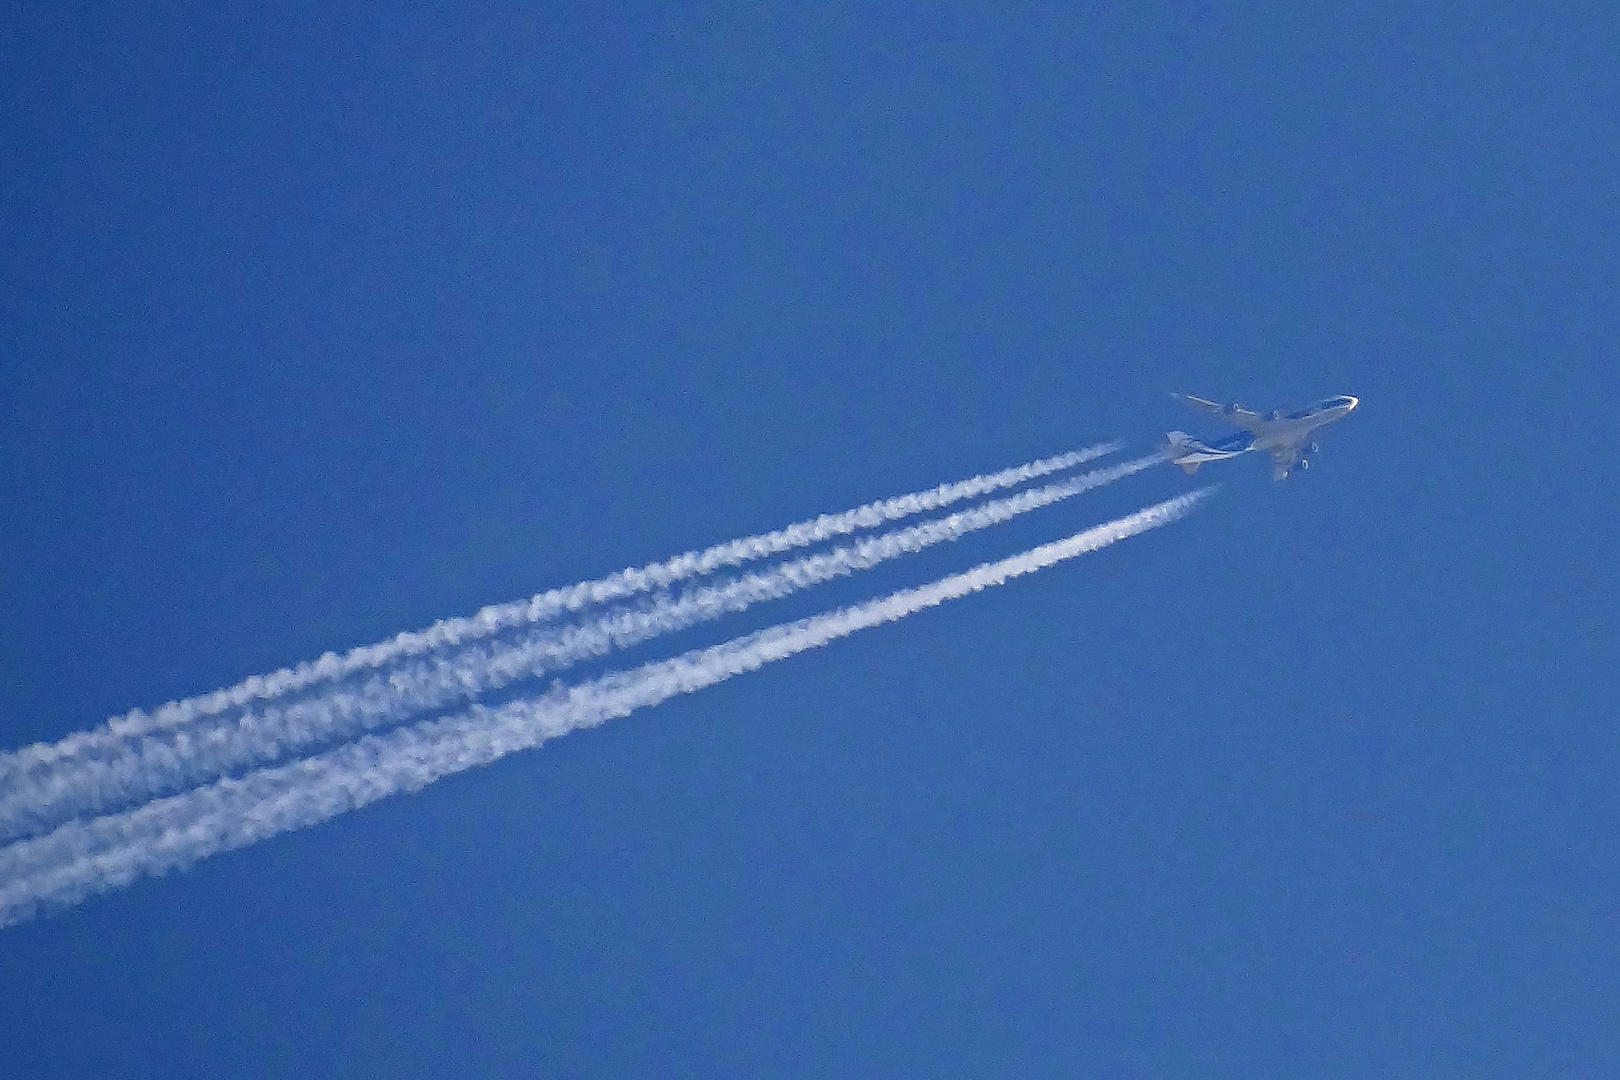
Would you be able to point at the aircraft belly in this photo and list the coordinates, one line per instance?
(1284, 439)
(1271, 440)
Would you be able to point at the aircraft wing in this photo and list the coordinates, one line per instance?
(1289, 456)
(1246, 419)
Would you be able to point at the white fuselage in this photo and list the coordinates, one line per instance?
(1296, 428)
(1286, 437)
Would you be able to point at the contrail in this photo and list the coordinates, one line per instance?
(212, 747)
(83, 858)
(538, 608)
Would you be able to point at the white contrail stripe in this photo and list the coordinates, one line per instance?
(83, 858)
(211, 747)
(498, 617)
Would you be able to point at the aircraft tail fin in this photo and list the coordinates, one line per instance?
(1178, 440)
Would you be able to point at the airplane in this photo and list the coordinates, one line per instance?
(1287, 437)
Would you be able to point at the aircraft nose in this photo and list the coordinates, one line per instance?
(1354, 401)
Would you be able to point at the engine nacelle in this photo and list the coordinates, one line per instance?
(1304, 463)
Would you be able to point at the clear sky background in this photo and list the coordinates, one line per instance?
(323, 321)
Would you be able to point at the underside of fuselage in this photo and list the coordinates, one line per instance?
(1285, 437)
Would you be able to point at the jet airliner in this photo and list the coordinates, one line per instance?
(1287, 437)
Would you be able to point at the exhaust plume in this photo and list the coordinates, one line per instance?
(450, 633)
(210, 747)
(87, 857)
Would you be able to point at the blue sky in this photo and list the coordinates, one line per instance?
(327, 321)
